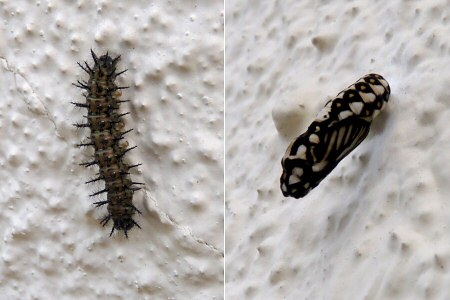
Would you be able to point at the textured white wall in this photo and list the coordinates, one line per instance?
(379, 226)
(52, 245)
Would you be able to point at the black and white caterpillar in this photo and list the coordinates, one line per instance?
(339, 128)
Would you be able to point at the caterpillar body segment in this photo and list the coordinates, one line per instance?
(338, 128)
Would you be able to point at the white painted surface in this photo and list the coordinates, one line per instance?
(52, 246)
(379, 226)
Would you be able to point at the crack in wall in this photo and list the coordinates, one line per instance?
(16, 73)
(164, 217)
(167, 219)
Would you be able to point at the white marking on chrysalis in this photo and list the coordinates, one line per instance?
(356, 107)
(340, 138)
(379, 90)
(301, 152)
(367, 97)
(293, 179)
(356, 140)
(349, 133)
(319, 166)
(314, 138)
(297, 171)
(345, 114)
(330, 145)
(313, 152)
(383, 82)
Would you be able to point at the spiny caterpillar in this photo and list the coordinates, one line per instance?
(107, 133)
(339, 128)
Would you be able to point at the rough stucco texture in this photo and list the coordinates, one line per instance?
(52, 245)
(378, 227)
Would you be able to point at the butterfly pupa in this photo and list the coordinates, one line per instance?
(338, 128)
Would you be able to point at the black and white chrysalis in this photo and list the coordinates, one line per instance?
(339, 128)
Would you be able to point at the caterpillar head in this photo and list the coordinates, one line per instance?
(125, 223)
(105, 63)
(122, 215)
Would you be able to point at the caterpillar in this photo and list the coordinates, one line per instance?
(338, 128)
(107, 139)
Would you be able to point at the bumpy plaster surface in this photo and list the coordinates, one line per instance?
(378, 227)
(52, 244)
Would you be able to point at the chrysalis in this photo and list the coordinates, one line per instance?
(339, 128)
